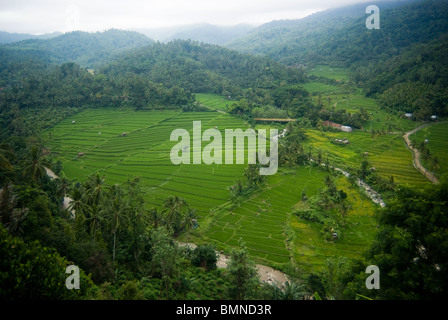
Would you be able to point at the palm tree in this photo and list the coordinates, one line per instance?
(63, 187)
(94, 218)
(6, 155)
(155, 217)
(294, 291)
(35, 166)
(10, 215)
(94, 189)
(116, 211)
(173, 206)
(77, 203)
(189, 219)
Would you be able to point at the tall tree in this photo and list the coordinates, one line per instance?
(242, 273)
(95, 189)
(190, 219)
(155, 217)
(166, 257)
(117, 213)
(173, 211)
(34, 167)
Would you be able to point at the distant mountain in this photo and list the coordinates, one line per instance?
(7, 37)
(84, 48)
(339, 36)
(206, 33)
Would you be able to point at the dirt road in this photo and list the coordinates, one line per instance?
(416, 154)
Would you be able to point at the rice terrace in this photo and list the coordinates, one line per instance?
(122, 144)
(303, 158)
(264, 222)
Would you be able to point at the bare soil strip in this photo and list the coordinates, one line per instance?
(416, 154)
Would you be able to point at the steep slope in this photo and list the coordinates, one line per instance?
(339, 37)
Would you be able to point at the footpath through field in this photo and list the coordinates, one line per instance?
(416, 153)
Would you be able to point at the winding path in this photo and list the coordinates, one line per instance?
(416, 153)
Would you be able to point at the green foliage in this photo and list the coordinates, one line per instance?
(202, 68)
(291, 151)
(205, 256)
(84, 48)
(251, 181)
(166, 258)
(31, 271)
(410, 248)
(242, 274)
(329, 208)
(347, 40)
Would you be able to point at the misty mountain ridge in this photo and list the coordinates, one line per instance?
(85, 48)
(8, 37)
(201, 32)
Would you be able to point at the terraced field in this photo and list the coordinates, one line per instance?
(310, 251)
(261, 220)
(214, 101)
(330, 72)
(264, 221)
(272, 234)
(387, 153)
(143, 152)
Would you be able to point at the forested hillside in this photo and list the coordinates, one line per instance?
(55, 92)
(415, 81)
(84, 48)
(402, 64)
(340, 37)
(200, 67)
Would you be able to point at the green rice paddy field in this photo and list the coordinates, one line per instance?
(386, 153)
(264, 221)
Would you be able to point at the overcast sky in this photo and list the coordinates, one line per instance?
(44, 16)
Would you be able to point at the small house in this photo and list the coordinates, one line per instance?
(408, 115)
(434, 117)
(346, 128)
(332, 124)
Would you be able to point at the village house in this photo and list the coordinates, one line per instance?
(337, 126)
